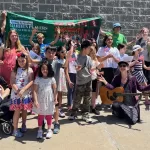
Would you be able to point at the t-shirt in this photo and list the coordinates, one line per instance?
(84, 76)
(117, 38)
(109, 62)
(43, 48)
(122, 56)
(72, 63)
(143, 44)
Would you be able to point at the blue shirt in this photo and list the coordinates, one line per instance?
(43, 48)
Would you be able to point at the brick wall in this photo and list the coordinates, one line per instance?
(132, 14)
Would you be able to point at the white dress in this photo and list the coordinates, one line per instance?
(45, 96)
(62, 86)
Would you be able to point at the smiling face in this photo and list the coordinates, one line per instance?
(40, 38)
(109, 41)
(22, 62)
(123, 67)
(44, 70)
(117, 30)
(13, 37)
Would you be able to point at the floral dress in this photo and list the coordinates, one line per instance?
(45, 96)
(24, 103)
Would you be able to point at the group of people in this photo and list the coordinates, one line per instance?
(38, 83)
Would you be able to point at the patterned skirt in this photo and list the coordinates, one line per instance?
(21, 104)
(139, 76)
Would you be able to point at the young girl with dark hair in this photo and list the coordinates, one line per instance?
(44, 92)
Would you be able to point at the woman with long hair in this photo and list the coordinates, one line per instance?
(130, 85)
(8, 56)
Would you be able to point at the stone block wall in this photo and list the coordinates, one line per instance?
(132, 14)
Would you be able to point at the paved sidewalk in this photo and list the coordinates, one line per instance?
(106, 133)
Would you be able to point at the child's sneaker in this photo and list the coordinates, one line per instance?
(49, 134)
(56, 128)
(23, 128)
(87, 118)
(17, 134)
(40, 134)
(61, 113)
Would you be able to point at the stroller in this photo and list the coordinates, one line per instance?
(5, 115)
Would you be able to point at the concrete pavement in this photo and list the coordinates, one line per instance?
(106, 133)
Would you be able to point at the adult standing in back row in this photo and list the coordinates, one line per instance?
(118, 38)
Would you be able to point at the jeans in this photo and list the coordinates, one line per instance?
(71, 90)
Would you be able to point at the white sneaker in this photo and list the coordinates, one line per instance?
(87, 118)
(40, 134)
(61, 113)
(49, 134)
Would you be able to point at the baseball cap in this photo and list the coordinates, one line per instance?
(116, 25)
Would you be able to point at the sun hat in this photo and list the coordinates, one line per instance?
(136, 47)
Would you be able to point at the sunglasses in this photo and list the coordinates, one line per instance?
(123, 66)
(63, 52)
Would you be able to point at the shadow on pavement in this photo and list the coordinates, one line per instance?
(112, 120)
(30, 135)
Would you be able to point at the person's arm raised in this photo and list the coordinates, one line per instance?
(57, 37)
(103, 33)
(34, 31)
(3, 25)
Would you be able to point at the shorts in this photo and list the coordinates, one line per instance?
(94, 85)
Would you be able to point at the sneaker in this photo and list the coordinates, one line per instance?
(40, 134)
(49, 134)
(87, 118)
(71, 117)
(17, 134)
(95, 111)
(23, 128)
(61, 113)
(56, 128)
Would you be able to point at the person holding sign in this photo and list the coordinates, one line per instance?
(40, 39)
